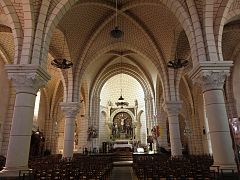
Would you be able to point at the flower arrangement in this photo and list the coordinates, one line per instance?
(92, 132)
(155, 131)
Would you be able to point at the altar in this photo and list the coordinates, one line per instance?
(122, 144)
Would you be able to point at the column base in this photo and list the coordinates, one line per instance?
(12, 172)
(224, 168)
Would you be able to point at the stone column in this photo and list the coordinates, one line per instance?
(27, 79)
(162, 121)
(173, 108)
(212, 82)
(70, 110)
(94, 119)
(149, 113)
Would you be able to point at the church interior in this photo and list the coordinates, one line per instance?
(120, 89)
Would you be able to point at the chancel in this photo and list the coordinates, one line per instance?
(119, 89)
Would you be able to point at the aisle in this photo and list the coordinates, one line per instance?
(122, 173)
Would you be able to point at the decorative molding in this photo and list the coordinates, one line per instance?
(27, 78)
(70, 109)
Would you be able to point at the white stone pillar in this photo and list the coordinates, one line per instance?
(162, 121)
(149, 112)
(94, 119)
(70, 110)
(212, 82)
(173, 108)
(27, 80)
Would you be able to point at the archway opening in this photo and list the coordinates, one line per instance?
(123, 122)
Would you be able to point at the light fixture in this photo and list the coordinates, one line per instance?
(116, 32)
(177, 63)
(121, 101)
(61, 62)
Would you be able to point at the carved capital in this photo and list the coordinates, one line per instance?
(27, 78)
(70, 109)
(172, 108)
(211, 75)
(210, 80)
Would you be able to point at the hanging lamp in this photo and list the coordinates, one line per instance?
(61, 62)
(177, 63)
(116, 32)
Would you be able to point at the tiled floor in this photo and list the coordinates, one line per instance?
(123, 173)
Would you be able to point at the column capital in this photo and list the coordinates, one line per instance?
(211, 75)
(27, 78)
(210, 80)
(70, 109)
(172, 107)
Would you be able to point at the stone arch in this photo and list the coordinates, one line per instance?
(108, 49)
(185, 20)
(16, 28)
(231, 16)
(174, 6)
(219, 22)
(117, 69)
(4, 56)
(110, 72)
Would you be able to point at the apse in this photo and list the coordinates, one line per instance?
(122, 106)
(131, 90)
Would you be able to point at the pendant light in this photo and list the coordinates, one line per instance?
(177, 63)
(61, 62)
(116, 32)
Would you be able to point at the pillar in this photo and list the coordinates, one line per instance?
(149, 113)
(173, 108)
(94, 119)
(212, 81)
(27, 79)
(70, 110)
(162, 122)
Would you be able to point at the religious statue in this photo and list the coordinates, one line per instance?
(115, 130)
(92, 133)
(122, 125)
(136, 102)
(110, 103)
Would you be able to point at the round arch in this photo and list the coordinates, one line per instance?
(162, 74)
(15, 26)
(117, 69)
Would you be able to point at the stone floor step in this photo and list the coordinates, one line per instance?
(122, 163)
